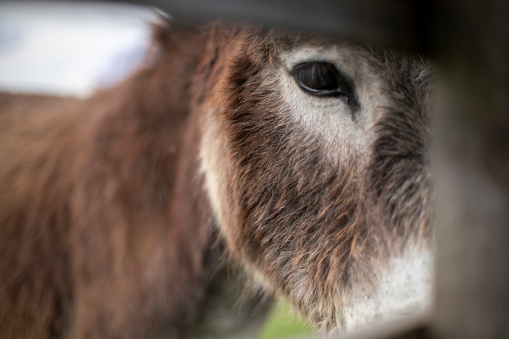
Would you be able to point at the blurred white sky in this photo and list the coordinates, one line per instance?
(69, 48)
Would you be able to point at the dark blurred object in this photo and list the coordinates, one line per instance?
(472, 170)
(393, 23)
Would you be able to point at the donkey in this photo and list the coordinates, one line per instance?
(238, 156)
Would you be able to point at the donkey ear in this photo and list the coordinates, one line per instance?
(159, 40)
(161, 32)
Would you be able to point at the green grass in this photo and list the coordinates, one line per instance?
(283, 322)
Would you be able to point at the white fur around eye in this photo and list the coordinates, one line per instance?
(340, 128)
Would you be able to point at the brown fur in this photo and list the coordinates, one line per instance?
(105, 229)
(292, 214)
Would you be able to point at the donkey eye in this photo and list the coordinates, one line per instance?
(322, 79)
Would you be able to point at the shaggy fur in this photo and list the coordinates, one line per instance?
(312, 227)
(114, 210)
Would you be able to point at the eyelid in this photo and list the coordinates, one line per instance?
(318, 92)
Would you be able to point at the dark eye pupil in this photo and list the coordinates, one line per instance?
(324, 80)
(319, 76)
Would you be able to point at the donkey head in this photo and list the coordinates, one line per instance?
(315, 162)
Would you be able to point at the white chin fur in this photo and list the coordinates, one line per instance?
(402, 287)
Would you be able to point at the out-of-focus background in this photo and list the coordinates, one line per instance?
(70, 49)
(73, 49)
